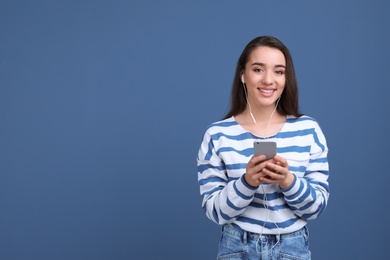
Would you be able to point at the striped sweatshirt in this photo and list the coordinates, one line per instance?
(228, 199)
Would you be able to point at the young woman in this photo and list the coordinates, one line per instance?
(264, 204)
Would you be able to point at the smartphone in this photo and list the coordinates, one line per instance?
(267, 148)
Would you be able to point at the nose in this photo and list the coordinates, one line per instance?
(267, 78)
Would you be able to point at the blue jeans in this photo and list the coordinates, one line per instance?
(237, 244)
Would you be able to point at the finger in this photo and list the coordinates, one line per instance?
(253, 180)
(273, 175)
(255, 172)
(269, 179)
(272, 167)
(282, 161)
(258, 159)
(256, 164)
(253, 162)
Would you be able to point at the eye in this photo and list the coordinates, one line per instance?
(258, 70)
(279, 72)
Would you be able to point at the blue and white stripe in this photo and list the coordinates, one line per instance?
(227, 198)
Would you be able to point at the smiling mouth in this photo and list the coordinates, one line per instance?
(267, 91)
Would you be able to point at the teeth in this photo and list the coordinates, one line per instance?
(267, 90)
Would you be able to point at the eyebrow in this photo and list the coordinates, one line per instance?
(263, 64)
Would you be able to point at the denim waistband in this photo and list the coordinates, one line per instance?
(237, 231)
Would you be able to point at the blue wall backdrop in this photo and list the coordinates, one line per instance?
(103, 105)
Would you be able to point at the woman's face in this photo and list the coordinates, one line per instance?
(265, 76)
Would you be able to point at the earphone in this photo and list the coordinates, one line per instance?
(250, 107)
(247, 101)
(269, 217)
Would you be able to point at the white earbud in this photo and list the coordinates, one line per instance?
(242, 78)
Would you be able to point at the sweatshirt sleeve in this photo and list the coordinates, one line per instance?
(222, 200)
(308, 195)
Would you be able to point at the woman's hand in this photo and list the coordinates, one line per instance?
(254, 170)
(276, 171)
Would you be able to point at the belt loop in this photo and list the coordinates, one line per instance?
(245, 237)
(306, 232)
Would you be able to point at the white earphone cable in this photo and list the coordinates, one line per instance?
(262, 186)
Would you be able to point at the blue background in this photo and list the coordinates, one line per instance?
(103, 105)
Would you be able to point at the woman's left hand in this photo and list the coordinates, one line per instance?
(276, 171)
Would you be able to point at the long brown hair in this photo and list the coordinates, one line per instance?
(288, 104)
